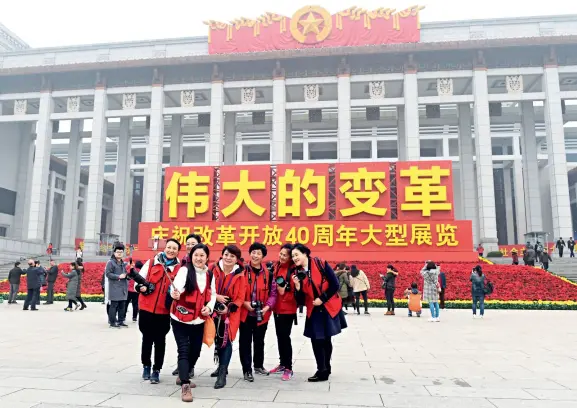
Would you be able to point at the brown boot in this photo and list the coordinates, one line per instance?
(186, 393)
(392, 313)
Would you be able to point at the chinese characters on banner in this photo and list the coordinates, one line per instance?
(338, 206)
(364, 236)
(425, 190)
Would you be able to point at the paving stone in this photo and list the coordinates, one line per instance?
(391, 362)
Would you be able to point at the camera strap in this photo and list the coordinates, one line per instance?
(316, 291)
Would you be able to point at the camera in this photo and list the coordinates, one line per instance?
(141, 282)
(301, 275)
(281, 282)
(257, 306)
(219, 307)
(270, 266)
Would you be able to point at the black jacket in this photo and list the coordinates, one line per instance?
(14, 275)
(52, 274)
(33, 277)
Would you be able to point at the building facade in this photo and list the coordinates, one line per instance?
(495, 97)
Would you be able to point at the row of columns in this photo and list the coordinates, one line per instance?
(478, 198)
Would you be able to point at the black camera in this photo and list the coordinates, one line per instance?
(141, 282)
(301, 275)
(219, 307)
(257, 306)
(270, 266)
(282, 283)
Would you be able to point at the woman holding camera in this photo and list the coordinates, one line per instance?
(231, 288)
(154, 321)
(285, 312)
(194, 295)
(260, 299)
(317, 286)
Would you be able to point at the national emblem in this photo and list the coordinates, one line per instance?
(309, 19)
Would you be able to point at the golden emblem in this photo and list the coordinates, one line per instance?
(311, 19)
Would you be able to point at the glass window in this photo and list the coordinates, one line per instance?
(323, 151)
(361, 150)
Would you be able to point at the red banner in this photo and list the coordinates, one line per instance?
(425, 190)
(382, 238)
(188, 193)
(244, 193)
(302, 192)
(315, 27)
(506, 249)
(363, 191)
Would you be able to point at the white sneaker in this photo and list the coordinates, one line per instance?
(474, 316)
(431, 319)
(437, 320)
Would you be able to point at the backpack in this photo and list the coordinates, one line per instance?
(489, 288)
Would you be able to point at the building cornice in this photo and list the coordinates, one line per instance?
(280, 55)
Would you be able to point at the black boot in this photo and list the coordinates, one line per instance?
(319, 376)
(214, 374)
(221, 379)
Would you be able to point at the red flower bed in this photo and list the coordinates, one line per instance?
(511, 282)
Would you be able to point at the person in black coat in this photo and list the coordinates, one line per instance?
(51, 279)
(33, 275)
(14, 281)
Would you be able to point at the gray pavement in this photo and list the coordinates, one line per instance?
(510, 359)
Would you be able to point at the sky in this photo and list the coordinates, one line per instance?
(57, 23)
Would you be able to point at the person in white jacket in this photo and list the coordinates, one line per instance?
(194, 297)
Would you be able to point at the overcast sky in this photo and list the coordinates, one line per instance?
(47, 23)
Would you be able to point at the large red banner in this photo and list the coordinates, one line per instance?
(315, 27)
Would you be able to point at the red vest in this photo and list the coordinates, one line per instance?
(334, 304)
(233, 286)
(260, 284)
(156, 301)
(287, 303)
(188, 307)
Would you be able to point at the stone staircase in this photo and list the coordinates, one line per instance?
(566, 267)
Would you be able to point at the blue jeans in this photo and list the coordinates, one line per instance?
(434, 306)
(481, 300)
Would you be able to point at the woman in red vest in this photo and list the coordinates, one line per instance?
(194, 295)
(154, 321)
(317, 286)
(285, 312)
(260, 299)
(231, 288)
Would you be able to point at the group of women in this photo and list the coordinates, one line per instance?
(187, 294)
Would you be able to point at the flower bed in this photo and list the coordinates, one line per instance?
(516, 287)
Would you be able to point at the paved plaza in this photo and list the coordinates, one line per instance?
(511, 359)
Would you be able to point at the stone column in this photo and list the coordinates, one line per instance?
(509, 206)
(279, 115)
(467, 164)
(176, 141)
(25, 163)
(557, 163)
(215, 143)
(120, 199)
(485, 182)
(50, 207)
(129, 192)
(411, 114)
(230, 138)
(154, 153)
(530, 169)
(40, 171)
(519, 192)
(344, 112)
(288, 150)
(70, 219)
(94, 190)
(401, 135)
